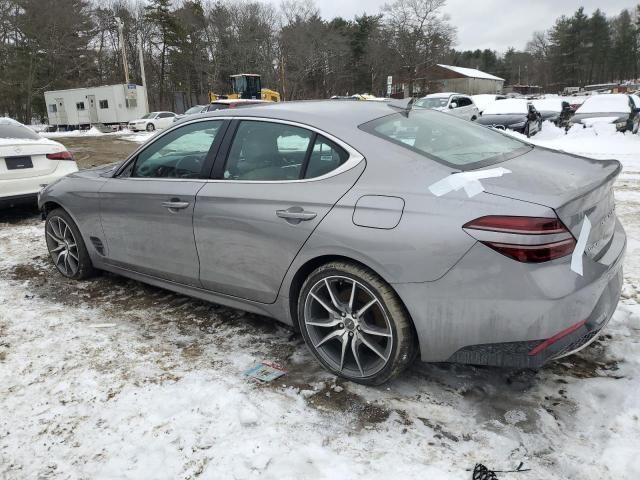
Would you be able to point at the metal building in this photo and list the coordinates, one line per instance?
(447, 78)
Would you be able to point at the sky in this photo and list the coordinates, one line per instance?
(493, 24)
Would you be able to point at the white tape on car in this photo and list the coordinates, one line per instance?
(576, 257)
(470, 181)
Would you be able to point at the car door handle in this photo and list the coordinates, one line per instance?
(175, 205)
(296, 214)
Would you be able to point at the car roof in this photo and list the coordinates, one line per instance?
(239, 100)
(442, 94)
(328, 115)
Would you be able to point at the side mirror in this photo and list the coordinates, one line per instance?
(453, 105)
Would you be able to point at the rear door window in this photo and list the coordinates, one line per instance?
(325, 157)
(264, 151)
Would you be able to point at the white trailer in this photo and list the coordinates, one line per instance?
(109, 105)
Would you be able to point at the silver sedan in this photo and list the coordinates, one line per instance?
(381, 233)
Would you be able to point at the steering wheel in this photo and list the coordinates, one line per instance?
(186, 173)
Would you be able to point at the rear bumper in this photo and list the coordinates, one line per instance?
(29, 187)
(18, 200)
(491, 310)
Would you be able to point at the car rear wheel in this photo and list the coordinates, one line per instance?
(636, 125)
(355, 324)
(150, 127)
(66, 247)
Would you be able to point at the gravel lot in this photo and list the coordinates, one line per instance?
(110, 378)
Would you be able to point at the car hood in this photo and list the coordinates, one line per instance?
(548, 114)
(503, 120)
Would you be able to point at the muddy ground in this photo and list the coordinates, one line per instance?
(93, 151)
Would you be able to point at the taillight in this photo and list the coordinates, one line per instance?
(525, 239)
(64, 155)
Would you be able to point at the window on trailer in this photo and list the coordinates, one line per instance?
(104, 104)
(80, 106)
(53, 108)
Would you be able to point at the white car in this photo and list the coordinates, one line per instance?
(452, 103)
(152, 121)
(28, 162)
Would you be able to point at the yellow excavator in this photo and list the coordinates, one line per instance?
(247, 86)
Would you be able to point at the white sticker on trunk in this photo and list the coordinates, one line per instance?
(576, 257)
(469, 181)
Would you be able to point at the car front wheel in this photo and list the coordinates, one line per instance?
(150, 127)
(355, 324)
(66, 247)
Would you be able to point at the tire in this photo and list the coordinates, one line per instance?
(66, 246)
(380, 342)
(150, 127)
(474, 118)
(636, 126)
(526, 131)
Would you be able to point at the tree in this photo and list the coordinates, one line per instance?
(418, 33)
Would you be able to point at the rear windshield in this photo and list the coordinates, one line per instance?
(432, 102)
(218, 106)
(446, 139)
(17, 131)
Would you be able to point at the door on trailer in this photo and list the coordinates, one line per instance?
(62, 113)
(278, 182)
(93, 109)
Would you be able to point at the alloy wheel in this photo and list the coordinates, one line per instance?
(62, 246)
(348, 326)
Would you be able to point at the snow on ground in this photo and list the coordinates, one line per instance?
(110, 378)
(91, 132)
(125, 134)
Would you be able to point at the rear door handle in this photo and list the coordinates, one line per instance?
(175, 205)
(296, 215)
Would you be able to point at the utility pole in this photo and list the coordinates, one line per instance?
(120, 24)
(142, 74)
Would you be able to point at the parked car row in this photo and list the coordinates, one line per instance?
(620, 109)
(527, 115)
(160, 120)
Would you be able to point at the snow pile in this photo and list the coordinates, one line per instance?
(548, 104)
(139, 137)
(483, 100)
(92, 132)
(601, 142)
(507, 106)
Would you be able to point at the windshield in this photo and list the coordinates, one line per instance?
(192, 110)
(446, 139)
(16, 130)
(149, 115)
(433, 102)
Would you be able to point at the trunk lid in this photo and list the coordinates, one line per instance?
(36, 149)
(573, 186)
